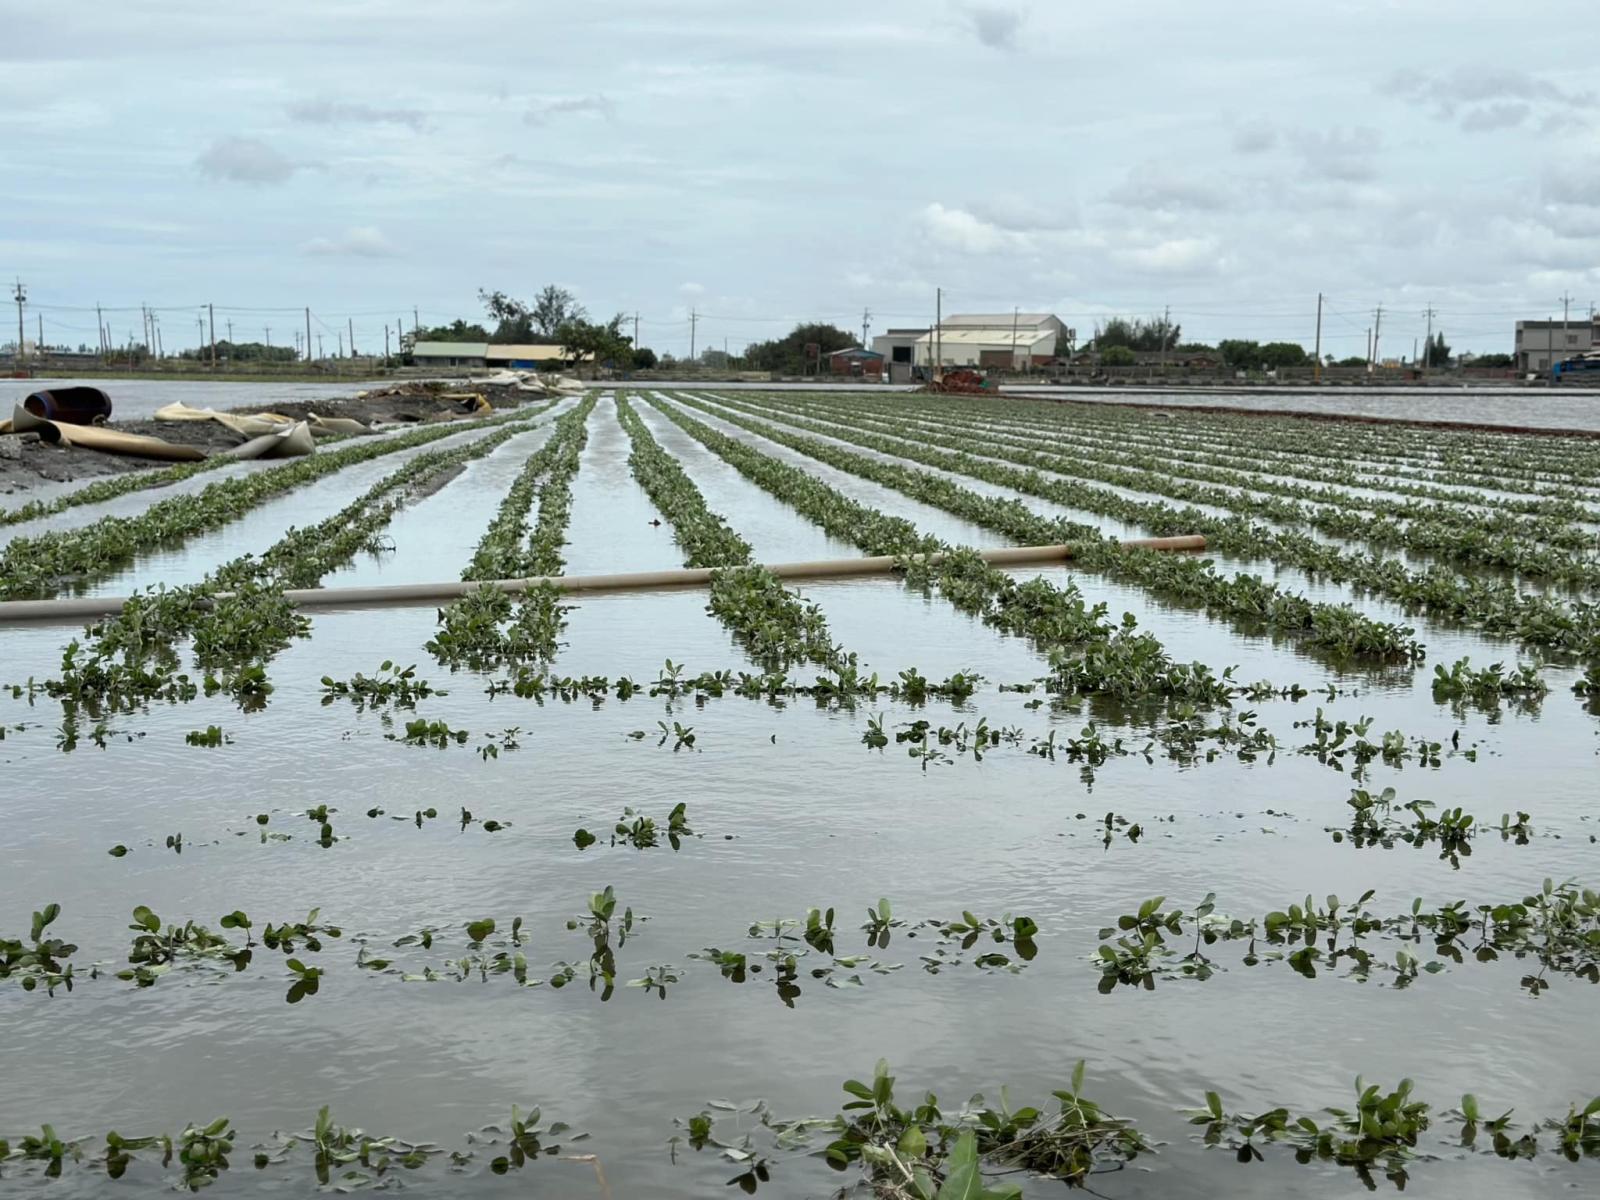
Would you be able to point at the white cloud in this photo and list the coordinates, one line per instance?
(245, 160)
(361, 241)
(1574, 182)
(1175, 256)
(692, 289)
(958, 229)
(1345, 155)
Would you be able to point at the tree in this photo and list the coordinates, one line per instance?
(457, 331)
(1138, 334)
(1239, 354)
(716, 360)
(1436, 353)
(1117, 356)
(606, 344)
(1283, 354)
(644, 358)
(1354, 360)
(513, 322)
(787, 355)
(555, 307)
(1493, 360)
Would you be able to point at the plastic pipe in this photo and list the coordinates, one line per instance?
(74, 609)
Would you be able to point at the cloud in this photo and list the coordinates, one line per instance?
(327, 111)
(245, 160)
(1481, 99)
(1345, 155)
(1153, 187)
(958, 229)
(692, 288)
(361, 241)
(1575, 182)
(1254, 138)
(1175, 256)
(996, 26)
(540, 111)
(1495, 116)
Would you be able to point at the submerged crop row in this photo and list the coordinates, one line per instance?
(1451, 526)
(1246, 599)
(775, 627)
(41, 564)
(1495, 607)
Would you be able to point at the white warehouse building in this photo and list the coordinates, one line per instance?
(1006, 340)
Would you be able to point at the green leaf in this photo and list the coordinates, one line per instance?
(143, 917)
(913, 1142)
(478, 930)
(1214, 1105)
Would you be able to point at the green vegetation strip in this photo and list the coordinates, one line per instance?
(1249, 601)
(130, 658)
(33, 567)
(1450, 526)
(1495, 607)
(486, 628)
(772, 623)
(504, 551)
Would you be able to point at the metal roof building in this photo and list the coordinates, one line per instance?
(992, 339)
(528, 355)
(451, 354)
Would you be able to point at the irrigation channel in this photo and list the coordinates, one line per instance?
(672, 872)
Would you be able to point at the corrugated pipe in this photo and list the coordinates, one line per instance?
(70, 610)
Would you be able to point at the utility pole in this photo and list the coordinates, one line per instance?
(350, 323)
(230, 331)
(635, 331)
(308, 333)
(1166, 336)
(269, 337)
(1369, 349)
(1377, 330)
(1427, 345)
(938, 331)
(100, 328)
(416, 325)
(866, 316)
(1015, 317)
(1414, 359)
(1316, 367)
(1566, 304)
(694, 318)
(386, 340)
(211, 324)
(160, 350)
(39, 343)
(200, 345)
(319, 346)
(20, 296)
(340, 336)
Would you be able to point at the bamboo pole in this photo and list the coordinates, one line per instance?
(70, 610)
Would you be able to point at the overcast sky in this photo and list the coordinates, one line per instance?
(769, 162)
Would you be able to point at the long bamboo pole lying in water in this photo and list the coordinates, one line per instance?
(72, 609)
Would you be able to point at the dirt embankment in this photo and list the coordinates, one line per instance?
(26, 462)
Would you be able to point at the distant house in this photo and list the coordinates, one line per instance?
(898, 347)
(450, 354)
(528, 357)
(866, 364)
(1541, 344)
(1011, 340)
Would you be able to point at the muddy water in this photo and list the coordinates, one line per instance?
(793, 812)
(135, 398)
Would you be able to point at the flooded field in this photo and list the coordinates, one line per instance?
(133, 399)
(670, 868)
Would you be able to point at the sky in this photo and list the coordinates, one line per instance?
(762, 164)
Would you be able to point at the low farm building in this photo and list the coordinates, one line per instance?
(867, 364)
(996, 340)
